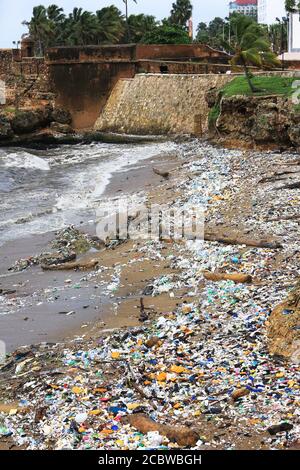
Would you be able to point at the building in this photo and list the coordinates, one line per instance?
(269, 10)
(244, 7)
(294, 32)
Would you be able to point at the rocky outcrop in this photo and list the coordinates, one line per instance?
(25, 121)
(61, 116)
(6, 131)
(42, 124)
(257, 120)
(61, 128)
(284, 329)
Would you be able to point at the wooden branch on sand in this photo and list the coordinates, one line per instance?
(295, 185)
(81, 264)
(184, 436)
(262, 243)
(143, 313)
(236, 277)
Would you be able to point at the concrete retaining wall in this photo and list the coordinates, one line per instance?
(159, 104)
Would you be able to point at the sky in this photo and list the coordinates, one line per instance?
(13, 12)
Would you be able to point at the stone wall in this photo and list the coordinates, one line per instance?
(83, 88)
(159, 104)
(26, 79)
(193, 68)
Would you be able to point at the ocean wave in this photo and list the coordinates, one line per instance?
(25, 160)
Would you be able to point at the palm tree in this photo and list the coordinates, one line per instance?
(139, 25)
(81, 28)
(111, 25)
(39, 28)
(250, 46)
(292, 5)
(56, 19)
(181, 12)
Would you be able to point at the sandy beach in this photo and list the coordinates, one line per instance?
(41, 320)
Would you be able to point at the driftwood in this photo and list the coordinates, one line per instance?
(236, 277)
(295, 185)
(277, 176)
(182, 435)
(83, 265)
(7, 291)
(143, 313)
(240, 393)
(272, 245)
(284, 217)
(164, 174)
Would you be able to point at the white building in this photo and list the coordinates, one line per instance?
(294, 32)
(269, 10)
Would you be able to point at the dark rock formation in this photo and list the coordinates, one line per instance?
(61, 128)
(25, 121)
(6, 131)
(61, 116)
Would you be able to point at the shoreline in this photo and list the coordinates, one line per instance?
(30, 325)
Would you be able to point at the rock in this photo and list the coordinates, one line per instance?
(236, 277)
(270, 122)
(183, 436)
(256, 119)
(239, 393)
(279, 428)
(212, 97)
(6, 131)
(51, 259)
(61, 128)
(30, 120)
(61, 116)
(294, 135)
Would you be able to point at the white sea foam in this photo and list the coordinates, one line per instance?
(89, 185)
(26, 160)
(71, 191)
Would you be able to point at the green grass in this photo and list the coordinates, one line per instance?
(267, 85)
(213, 115)
(297, 108)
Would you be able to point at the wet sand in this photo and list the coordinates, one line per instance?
(44, 298)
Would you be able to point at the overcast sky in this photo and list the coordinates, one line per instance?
(13, 12)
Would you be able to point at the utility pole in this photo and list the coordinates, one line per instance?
(126, 15)
(283, 22)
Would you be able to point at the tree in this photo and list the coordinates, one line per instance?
(292, 5)
(111, 25)
(39, 28)
(167, 34)
(202, 35)
(181, 12)
(250, 46)
(81, 28)
(56, 19)
(140, 25)
(214, 33)
(278, 37)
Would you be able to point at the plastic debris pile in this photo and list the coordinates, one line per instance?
(204, 365)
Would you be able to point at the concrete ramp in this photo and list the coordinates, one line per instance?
(159, 104)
